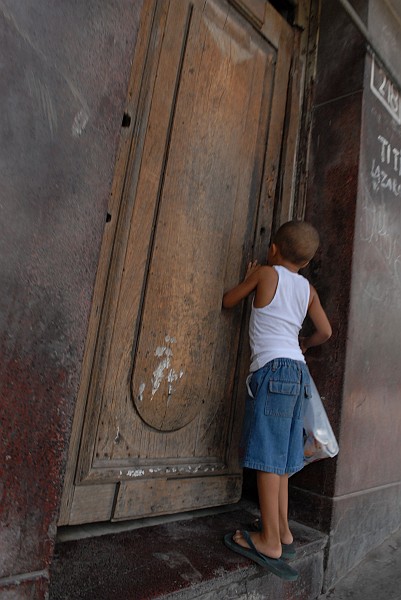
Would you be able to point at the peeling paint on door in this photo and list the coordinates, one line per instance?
(166, 353)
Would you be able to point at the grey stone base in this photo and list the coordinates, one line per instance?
(356, 523)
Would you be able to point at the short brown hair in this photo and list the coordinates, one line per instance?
(297, 241)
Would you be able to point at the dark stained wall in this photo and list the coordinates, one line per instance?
(331, 201)
(64, 70)
(354, 199)
(367, 498)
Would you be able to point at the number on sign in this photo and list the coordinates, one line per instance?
(388, 91)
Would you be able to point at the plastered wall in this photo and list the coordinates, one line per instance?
(65, 69)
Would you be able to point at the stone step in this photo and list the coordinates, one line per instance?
(185, 559)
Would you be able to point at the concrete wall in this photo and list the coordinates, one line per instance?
(65, 68)
(356, 497)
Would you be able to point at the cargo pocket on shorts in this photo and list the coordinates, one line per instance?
(281, 398)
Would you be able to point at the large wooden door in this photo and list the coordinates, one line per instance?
(160, 409)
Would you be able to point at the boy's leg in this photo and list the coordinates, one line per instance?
(285, 533)
(268, 540)
(269, 503)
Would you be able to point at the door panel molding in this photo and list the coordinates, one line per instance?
(168, 187)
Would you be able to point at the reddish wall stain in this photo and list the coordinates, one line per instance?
(331, 208)
(28, 590)
(65, 79)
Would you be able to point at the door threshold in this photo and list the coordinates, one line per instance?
(184, 560)
(69, 533)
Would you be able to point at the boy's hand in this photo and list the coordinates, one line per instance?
(243, 289)
(252, 267)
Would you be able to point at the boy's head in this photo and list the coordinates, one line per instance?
(297, 242)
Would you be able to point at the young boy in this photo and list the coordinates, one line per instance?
(278, 386)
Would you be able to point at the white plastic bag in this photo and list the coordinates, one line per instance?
(320, 441)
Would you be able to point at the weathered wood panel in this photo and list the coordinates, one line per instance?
(92, 503)
(148, 498)
(196, 203)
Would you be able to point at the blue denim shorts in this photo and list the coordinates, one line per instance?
(272, 434)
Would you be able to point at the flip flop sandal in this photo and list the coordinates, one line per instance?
(288, 550)
(274, 565)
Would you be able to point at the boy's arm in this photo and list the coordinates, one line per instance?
(243, 289)
(319, 319)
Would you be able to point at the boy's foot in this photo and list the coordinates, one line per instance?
(277, 566)
(288, 550)
(269, 550)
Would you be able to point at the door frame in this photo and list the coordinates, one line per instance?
(288, 201)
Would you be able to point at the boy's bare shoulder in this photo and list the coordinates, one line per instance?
(266, 287)
(266, 272)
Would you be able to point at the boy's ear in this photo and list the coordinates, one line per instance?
(273, 249)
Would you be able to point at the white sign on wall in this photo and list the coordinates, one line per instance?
(385, 91)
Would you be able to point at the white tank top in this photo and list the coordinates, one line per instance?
(274, 329)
